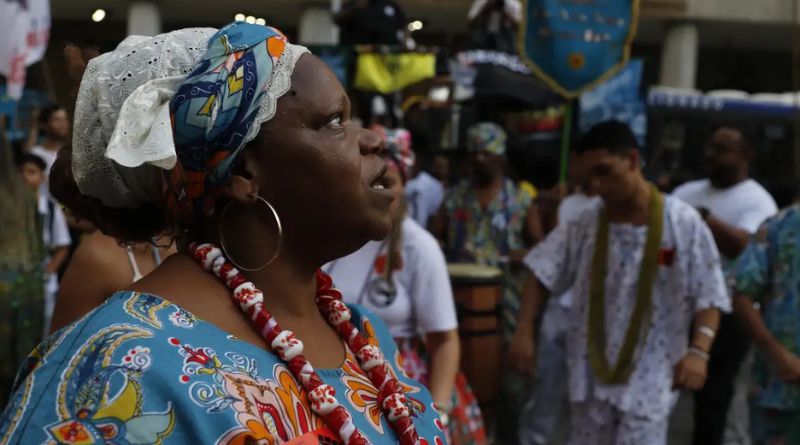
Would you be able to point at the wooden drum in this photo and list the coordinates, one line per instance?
(478, 292)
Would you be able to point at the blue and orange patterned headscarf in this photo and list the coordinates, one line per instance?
(488, 137)
(220, 107)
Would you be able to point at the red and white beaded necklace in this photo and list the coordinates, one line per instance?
(391, 398)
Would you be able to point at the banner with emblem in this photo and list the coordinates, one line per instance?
(387, 73)
(617, 98)
(575, 44)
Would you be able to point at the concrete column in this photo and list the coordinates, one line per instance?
(336, 7)
(317, 27)
(679, 56)
(144, 19)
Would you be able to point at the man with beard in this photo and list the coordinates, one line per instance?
(487, 219)
(642, 267)
(491, 221)
(733, 206)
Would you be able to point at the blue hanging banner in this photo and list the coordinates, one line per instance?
(575, 44)
(617, 98)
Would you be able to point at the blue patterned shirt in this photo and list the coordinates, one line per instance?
(769, 272)
(141, 370)
(485, 236)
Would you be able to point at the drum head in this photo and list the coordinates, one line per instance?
(466, 273)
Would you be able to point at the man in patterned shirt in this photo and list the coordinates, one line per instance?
(489, 220)
(768, 272)
(642, 267)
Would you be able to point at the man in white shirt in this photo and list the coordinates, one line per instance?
(425, 195)
(54, 123)
(55, 232)
(734, 206)
(642, 267)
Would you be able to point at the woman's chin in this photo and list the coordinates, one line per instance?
(380, 227)
(375, 229)
(374, 225)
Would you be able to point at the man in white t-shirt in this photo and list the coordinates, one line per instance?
(54, 123)
(425, 195)
(734, 206)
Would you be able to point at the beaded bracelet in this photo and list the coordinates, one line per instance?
(699, 352)
(708, 332)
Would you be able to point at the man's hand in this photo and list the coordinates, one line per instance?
(522, 351)
(690, 373)
(787, 366)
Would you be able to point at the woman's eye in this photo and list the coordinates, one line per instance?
(337, 121)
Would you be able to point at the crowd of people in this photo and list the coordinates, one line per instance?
(246, 263)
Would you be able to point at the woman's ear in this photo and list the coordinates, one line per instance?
(243, 181)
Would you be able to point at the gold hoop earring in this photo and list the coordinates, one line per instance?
(277, 218)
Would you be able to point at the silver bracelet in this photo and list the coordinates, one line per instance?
(708, 332)
(700, 353)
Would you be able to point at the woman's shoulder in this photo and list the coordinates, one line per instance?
(111, 332)
(98, 241)
(129, 365)
(152, 316)
(98, 252)
(97, 269)
(141, 366)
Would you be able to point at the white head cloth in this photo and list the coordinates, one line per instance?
(123, 136)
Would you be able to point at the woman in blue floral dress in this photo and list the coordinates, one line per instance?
(237, 139)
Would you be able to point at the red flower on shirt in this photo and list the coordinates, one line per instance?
(666, 257)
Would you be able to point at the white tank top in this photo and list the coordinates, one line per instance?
(137, 274)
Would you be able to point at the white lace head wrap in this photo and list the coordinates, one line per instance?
(186, 101)
(122, 114)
